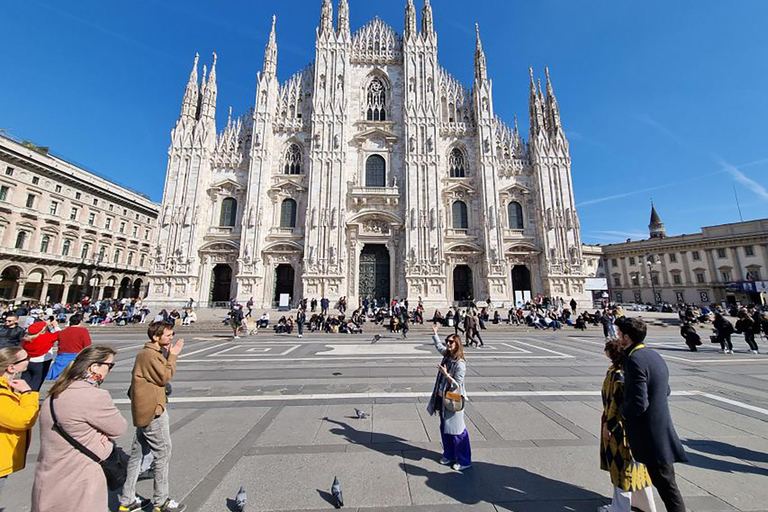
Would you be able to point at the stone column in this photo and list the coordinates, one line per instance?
(625, 273)
(739, 275)
(686, 268)
(65, 291)
(44, 290)
(20, 288)
(714, 276)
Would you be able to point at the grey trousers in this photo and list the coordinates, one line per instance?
(157, 435)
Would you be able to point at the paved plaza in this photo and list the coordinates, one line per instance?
(275, 414)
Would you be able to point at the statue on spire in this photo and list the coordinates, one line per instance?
(410, 19)
(554, 110)
(427, 24)
(269, 67)
(342, 23)
(189, 103)
(481, 67)
(326, 18)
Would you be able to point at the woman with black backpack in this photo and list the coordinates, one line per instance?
(723, 329)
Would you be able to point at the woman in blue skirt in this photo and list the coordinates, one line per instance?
(450, 380)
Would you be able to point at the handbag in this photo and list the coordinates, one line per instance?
(115, 466)
(453, 401)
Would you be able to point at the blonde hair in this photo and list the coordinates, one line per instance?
(458, 351)
(78, 369)
(8, 356)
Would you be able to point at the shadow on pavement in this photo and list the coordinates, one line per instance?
(726, 450)
(506, 487)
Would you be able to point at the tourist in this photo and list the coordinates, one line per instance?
(19, 405)
(249, 305)
(313, 304)
(324, 303)
(11, 333)
(631, 483)
(264, 320)
(301, 317)
(449, 387)
(39, 343)
(470, 329)
(154, 368)
(236, 320)
(723, 330)
(648, 423)
(692, 339)
(72, 340)
(746, 325)
(65, 477)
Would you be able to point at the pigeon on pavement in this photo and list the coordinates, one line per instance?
(240, 499)
(338, 501)
(361, 415)
(376, 338)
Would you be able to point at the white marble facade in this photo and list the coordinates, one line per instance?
(372, 171)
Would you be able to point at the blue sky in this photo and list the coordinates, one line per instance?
(662, 100)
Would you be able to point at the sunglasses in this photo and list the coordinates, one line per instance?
(21, 360)
(110, 365)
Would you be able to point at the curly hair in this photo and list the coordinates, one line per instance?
(614, 348)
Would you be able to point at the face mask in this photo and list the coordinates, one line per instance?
(94, 379)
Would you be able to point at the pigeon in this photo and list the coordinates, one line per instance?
(338, 501)
(361, 415)
(376, 338)
(240, 499)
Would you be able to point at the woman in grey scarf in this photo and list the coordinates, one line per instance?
(450, 378)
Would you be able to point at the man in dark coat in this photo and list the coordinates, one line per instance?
(647, 420)
(11, 333)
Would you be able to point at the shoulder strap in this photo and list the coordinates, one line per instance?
(71, 440)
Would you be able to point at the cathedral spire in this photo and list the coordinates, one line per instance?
(535, 107)
(326, 18)
(427, 24)
(189, 103)
(410, 20)
(481, 68)
(554, 109)
(208, 100)
(342, 23)
(269, 68)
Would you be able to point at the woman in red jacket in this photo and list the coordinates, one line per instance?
(39, 345)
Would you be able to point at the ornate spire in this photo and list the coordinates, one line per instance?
(410, 19)
(189, 103)
(554, 109)
(269, 67)
(342, 23)
(535, 107)
(427, 24)
(326, 18)
(656, 227)
(208, 100)
(481, 68)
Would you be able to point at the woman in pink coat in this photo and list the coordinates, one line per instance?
(66, 480)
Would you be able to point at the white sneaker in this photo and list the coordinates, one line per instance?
(730, 351)
(445, 461)
(459, 467)
(236, 337)
(299, 336)
(754, 351)
(604, 508)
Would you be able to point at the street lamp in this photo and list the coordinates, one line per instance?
(650, 276)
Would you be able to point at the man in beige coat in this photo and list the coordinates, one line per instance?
(152, 371)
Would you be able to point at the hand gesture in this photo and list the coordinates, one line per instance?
(176, 347)
(606, 433)
(443, 369)
(435, 328)
(19, 385)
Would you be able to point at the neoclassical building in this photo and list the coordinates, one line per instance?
(65, 232)
(370, 172)
(727, 263)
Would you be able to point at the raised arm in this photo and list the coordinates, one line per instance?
(439, 345)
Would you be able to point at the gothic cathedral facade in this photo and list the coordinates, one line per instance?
(370, 173)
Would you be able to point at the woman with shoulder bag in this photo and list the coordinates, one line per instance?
(448, 399)
(66, 478)
(18, 412)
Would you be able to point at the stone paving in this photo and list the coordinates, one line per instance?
(276, 414)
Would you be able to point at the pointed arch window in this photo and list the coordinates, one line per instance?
(376, 101)
(288, 214)
(292, 164)
(375, 171)
(460, 219)
(456, 164)
(228, 212)
(515, 214)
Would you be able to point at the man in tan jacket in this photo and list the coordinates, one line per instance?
(154, 368)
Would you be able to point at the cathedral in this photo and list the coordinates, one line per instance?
(372, 172)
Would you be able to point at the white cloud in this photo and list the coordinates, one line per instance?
(742, 178)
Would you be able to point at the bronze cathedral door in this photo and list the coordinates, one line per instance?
(374, 272)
